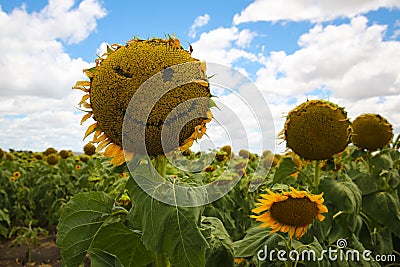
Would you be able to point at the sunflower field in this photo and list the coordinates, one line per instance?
(139, 196)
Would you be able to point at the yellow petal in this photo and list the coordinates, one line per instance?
(117, 150)
(320, 217)
(201, 82)
(285, 228)
(109, 150)
(84, 98)
(102, 145)
(322, 208)
(203, 66)
(292, 231)
(90, 129)
(97, 133)
(81, 83)
(88, 73)
(87, 116)
(129, 156)
(100, 138)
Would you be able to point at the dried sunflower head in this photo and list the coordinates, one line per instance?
(317, 129)
(371, 131)
(115, 80)
(89, 149)
(49, 151)
(52, 159)
(64, 154)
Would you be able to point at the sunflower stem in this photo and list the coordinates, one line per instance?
(317, 175)
(161, 165)
(162, 261)
(369, 161)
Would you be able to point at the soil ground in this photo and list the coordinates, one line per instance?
(46, 255)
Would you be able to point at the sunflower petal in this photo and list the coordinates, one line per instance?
(102, 145)
(90, 129)
(87, 116)
(84, 98)
(109, 150)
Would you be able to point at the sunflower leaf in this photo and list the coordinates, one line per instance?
(383, 208)
(220, 253)
(167, 230)
(283, 171)
(80, 222)
(108, 242)
(256, 239)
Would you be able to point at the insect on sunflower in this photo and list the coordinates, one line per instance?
(289, 212)
(115, 79)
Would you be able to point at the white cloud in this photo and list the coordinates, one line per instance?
(315, 11)
(200, 21)
(351, 60)
(37, 74)
(218, 46)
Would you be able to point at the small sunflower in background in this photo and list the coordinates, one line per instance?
(89, 149)
(50, 151)
(371, 131)
(64, 154)
(52, 159)
(78, 167)
(17, 174)
(317, 129)
(12, 179)
(115, 79)
(289, 212)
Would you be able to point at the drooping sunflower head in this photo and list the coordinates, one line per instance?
(116, 78)
(49, 151)
(289, 212)
(317, 129)
(1, 153)
(64, 154)
(371, 131)
(52, 159)
(89, 149)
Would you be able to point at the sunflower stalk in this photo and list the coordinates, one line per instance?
(317, 175)
(162, 261)
(161, 165)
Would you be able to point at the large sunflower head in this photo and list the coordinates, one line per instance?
(371, 131)
(116, 78)
(289, 212)
(317, 129)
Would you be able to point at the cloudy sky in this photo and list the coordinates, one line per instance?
(345, 51)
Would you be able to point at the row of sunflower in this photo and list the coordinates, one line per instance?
(322, 191)
(34, 186)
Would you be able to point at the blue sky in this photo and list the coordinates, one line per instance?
(344, 51)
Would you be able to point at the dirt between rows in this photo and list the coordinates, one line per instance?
(47, 254)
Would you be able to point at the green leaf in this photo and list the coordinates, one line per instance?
(79, 223)
(118, 240)
(99, 258)
(382, 162)
(285, 168)
(345, 195)
(255, 239)
(383, 208)
(169, 230)
(220, 253)
(367, 183)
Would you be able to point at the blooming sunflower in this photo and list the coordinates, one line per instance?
(371, 131)
(317, 129)
(78, 167)
(12, 179)
(17, 174)
(115, 79)
(289, 212)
